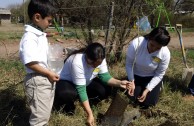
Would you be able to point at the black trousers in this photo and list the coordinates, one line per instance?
(66, 93)
(140, 85)
(191, 86)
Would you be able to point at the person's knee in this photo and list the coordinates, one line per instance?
(65, 94)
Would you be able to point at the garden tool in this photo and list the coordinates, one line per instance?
(187, 72)
(116, 114)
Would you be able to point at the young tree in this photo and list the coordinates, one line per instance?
(19, 12)
(92, 14)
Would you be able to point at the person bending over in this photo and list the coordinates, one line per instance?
(86, 75)
(147, 59)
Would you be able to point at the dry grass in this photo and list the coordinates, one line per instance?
(173, 108)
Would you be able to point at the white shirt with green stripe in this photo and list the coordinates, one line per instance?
(77, 71)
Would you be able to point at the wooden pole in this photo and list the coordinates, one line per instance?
(109, 22)
(24, 11)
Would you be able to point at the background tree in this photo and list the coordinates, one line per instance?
(184, 5)
(83, 14)
(19, 12)
(126, 14)
(91, 14)
(184, 12)
(16, 14)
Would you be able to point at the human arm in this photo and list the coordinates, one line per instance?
(160, 70)
(118, 83)
(131, 88)
(109, 80)
(81, 89)
(143, 96)
(158, 74)
(131, 57)
(90, 119)
(130, 63)
(53, 77)
(79, 79)
(33, 53)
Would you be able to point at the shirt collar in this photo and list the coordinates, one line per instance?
(34, 30)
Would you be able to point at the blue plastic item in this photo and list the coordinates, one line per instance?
(144, 24)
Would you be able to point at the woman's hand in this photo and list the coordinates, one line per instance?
(143, 96)
(131, 88)
(124, 84)
(118, 83)
(90, 120)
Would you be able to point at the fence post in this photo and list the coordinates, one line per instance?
(109, 22)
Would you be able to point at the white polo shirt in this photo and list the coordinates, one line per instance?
(146, 64)
(79, 72)
(33, 47)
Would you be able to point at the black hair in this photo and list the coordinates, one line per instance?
(160, 35)
(43, 7)
(95, 51)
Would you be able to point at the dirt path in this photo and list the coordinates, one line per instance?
(9, 47)
(188, 41)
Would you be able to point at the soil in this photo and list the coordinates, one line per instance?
(9, 47)
(188, 98)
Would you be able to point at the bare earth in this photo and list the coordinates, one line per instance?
(9, 47)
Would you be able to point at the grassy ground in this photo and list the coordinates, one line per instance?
(173, 109)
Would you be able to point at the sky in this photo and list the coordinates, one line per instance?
(6, 3)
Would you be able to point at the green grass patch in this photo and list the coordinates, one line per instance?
(188, 29)
(10, 35)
